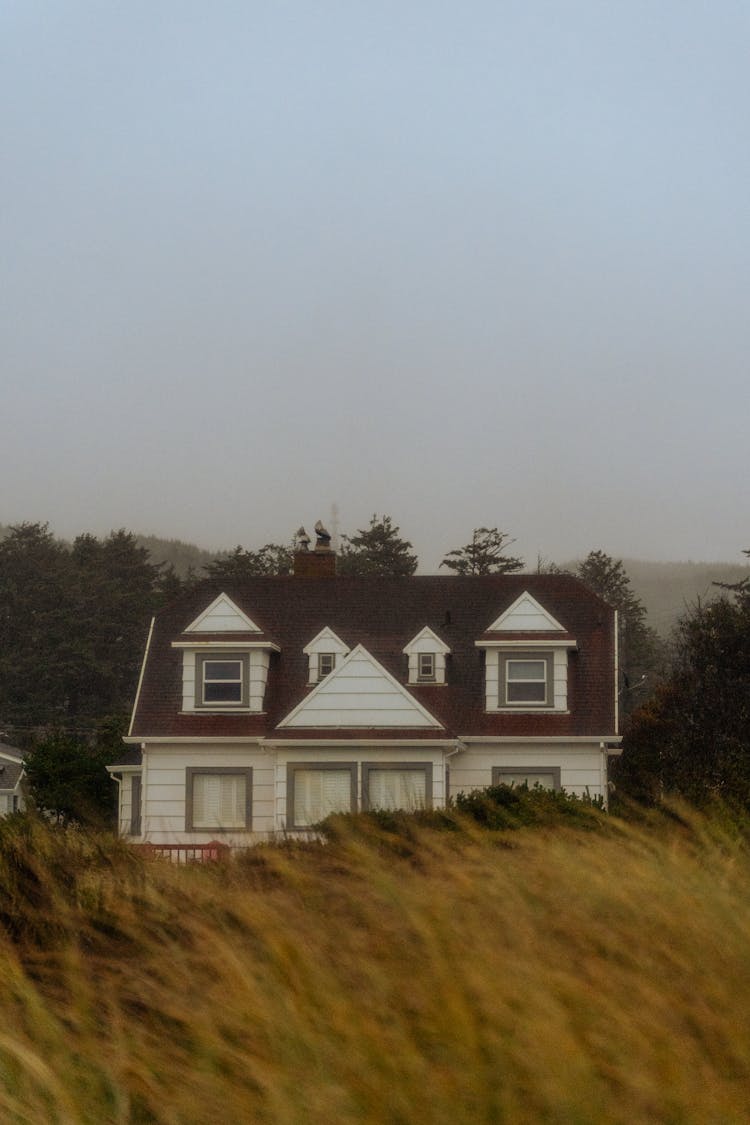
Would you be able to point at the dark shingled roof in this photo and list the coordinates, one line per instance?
(384, 614)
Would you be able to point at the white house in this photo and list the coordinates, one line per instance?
(266, 704)
(11, 780)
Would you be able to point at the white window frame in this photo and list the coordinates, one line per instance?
(202, 661)
(328, 657)
(506, 659)
(426, 676)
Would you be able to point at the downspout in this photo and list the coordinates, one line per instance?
(617, 675)
(458, 748)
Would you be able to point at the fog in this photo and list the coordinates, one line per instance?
(480, 264)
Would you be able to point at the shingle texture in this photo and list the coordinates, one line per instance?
(383, 615)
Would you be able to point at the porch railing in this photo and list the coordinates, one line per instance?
(185, 853)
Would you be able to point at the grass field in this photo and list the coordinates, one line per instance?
(591, 973)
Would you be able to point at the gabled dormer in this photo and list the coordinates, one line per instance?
(323, 652)
(526, 615)
(526, 662)
(222, 616)
(360, 693)
(225, 660)
(426, 653)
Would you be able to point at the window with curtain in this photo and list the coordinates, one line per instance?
(397, 788)
(316, 792)
(218, 800)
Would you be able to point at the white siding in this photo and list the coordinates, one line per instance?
(188, 681)
(259, 660)
(525, 615)
(414, 666)
(359, 693)
(429, 642)
(124, 812)
(582, 765)
(165, 793)
(222, 616)
(165, 790)
(492, 677)
(357, 754)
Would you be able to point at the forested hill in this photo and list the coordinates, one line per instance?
(184, 557)
(666, 589)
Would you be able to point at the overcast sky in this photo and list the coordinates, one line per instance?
(479, 263)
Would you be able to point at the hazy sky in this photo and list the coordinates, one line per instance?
(461, 263)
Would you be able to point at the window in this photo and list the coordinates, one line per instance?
(135, 805)
(403, 785)
(426, 666)
(315, 790)
(218, 799)
(326, 664)
(526, 680)
(546, 776)
(221, 681)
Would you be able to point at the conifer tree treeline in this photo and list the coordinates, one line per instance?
(72, 627)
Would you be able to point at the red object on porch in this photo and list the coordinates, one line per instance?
(186, 853)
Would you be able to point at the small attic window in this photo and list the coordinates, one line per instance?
(323, 653)
(427, 655)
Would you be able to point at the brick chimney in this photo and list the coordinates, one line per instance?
(318, 563)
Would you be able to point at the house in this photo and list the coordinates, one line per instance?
(11, 780)
(265, 704)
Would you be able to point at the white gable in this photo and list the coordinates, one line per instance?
(426, 641)
(325, 641)
(360, 692)
(222, 616)
(526, 615)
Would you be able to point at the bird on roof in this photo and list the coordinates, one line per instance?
(324, 536)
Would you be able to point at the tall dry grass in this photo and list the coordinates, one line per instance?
(549, 975)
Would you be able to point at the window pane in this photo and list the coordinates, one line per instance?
(326, 664)
(317, 793)
(526, 693)
(397, 789)
(526, 669)
(222, 670)
(222, 693)
(546, 780)
(219, 800)
(426, 665)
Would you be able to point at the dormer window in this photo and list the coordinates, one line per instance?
(323, 653)
(225, 660)
(221, 681)
(427, 655)
(526, 680)
(526, 661)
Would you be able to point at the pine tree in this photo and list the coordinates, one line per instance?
(485, 554)
(377, 551)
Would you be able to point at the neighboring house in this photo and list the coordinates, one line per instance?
(11, 780)
(263, 705)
